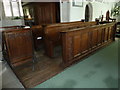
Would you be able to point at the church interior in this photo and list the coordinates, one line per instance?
(59, 43)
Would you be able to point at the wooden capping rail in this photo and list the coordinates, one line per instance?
(90, 27)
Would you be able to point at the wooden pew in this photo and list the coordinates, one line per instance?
(2, 30)
(52, 35)
(19, 46)
(80, 42)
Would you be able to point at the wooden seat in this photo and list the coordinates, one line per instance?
(19, 46)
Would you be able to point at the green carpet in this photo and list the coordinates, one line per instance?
(99, 70)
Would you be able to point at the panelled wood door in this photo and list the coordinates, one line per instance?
(45, 13)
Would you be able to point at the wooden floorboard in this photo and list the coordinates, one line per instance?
(45, 68)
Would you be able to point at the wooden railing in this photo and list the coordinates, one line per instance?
(77, 43)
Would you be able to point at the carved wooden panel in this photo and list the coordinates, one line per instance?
(19, 45)
(100, 35)
(109, 33)
(70, 48)
(103, 35)
(94, 38)
(45, 13)
(77, 45)
(84, 42)
(106, 34)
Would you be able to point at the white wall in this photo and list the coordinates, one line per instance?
(65, 10)
(12, 22)
(101, 9)
(78, 13)
(8, 21)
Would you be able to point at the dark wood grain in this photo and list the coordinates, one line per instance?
(44, 12)
(45, 68)
(3, 29)
(77, 43)
(19, 46)
(53, 37)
